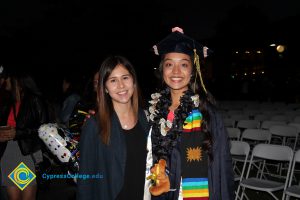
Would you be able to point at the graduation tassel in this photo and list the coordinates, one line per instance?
(197, 63)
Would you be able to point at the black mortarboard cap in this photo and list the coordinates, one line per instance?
(180, 43)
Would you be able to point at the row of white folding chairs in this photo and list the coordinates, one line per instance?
(271, 152)
(264, 123)
(238, 105)
(285, 134)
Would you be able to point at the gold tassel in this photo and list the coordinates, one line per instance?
(197, 63)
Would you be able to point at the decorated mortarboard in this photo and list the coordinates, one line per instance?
(178, 42)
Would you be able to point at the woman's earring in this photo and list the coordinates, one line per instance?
(106, 91)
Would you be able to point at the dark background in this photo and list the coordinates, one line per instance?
(51, 37)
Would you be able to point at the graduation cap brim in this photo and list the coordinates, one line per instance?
(180, 43)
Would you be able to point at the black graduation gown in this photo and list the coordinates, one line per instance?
(220, 170)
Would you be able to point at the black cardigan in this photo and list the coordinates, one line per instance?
(107, 161)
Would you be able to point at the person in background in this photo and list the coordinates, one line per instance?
(188, 146)
(86, 106)
(113, 142)
(96, 81)
(71, 95)
(27, 113)
(5, 104)
(84, 109)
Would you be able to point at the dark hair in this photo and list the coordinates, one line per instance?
(26, 83)
(204, 101)
(105, 107)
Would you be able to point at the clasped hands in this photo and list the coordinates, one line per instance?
(160, 180)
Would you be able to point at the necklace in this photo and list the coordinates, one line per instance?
(165, 134)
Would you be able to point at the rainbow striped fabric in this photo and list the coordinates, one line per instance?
(193, 122)
(195, 189)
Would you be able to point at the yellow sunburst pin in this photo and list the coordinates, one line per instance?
(194, 154)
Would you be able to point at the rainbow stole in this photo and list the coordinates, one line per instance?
(193, 122)
(195, 189)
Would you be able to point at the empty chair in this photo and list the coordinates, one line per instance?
(261, 117)
(238, 117)
(293, 190)
(276, 153)
(291, 114)
(280, 117)
(239, 148)
(228, 122)
(285, 131)
(297, 125)
(250, 123)
(268, 123)
(233, 133)
(289, 141)
(256, 136)
(251, 112)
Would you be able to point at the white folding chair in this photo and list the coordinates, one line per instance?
(238, 117)
(285, 132)
(239, 148)
(268, 123)
(233, 133)
(279, 117)
(255, 136)
(269, 152)
(249, 123)
(261, 117)
(293, 190)
(228, 122)
(297, 125)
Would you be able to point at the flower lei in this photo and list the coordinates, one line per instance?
(166, 134)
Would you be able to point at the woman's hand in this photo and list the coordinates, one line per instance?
(160, 178)
(89, 114)
(7, 133)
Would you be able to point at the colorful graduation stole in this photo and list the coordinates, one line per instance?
(194, 166)
(193, 122)
(195, 189)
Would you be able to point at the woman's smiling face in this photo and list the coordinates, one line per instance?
(177, 70)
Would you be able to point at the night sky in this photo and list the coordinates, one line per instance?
(51, 37)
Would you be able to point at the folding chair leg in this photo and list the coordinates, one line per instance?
(273, 195)
(244, 195)
(286, 198)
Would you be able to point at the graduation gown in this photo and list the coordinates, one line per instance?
(220, 170)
